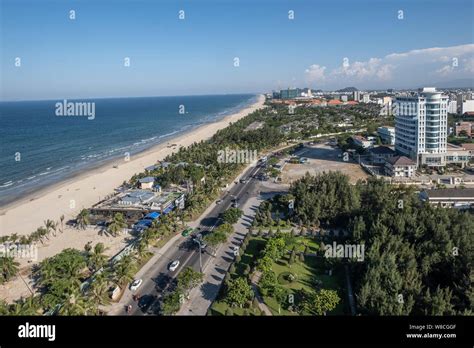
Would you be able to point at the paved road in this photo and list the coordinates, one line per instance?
(159, 279)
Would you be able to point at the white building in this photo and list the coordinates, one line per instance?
(356, 95)
(400, 166)
(452, 107)
(387, 134)
(467, 106)
(344, 98)
(365, 98)
(362, 142)
(421, 127)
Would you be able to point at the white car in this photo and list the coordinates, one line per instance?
(135, 284)
(174, 265)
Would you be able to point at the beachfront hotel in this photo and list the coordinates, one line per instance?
(421, 127)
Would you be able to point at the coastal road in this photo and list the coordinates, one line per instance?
(159, 279)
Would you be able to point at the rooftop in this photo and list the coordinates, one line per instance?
(468, 146)
(401, 161)
(451, 192)
(382, 150)
(146, 179)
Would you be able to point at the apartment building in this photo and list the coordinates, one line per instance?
(421, 127)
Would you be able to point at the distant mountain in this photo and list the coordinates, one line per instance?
(347, 89)
(460, 83)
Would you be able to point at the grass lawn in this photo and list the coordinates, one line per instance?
(220, 308)
(307, 272)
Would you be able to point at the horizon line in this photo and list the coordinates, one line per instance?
(129, 97)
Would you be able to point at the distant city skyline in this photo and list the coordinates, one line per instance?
(278, 44)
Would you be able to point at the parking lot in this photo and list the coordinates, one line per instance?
(321, 158)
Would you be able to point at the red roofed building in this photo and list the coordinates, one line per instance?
(334, 102)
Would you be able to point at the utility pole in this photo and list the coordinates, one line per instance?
(198, 241)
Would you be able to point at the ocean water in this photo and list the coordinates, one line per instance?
(39, 148)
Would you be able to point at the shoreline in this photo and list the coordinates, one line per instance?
(24, 215)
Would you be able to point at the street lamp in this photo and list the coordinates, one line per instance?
(198, 241)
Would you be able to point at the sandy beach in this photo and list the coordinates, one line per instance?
(69, 197)
(26, 215)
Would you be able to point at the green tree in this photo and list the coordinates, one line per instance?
(232, 215)
(171, 303)
(117, 225)
(82, 219)
(324, 301)
(96, 257)
(9, 268)
(238, 292)
(188, 279)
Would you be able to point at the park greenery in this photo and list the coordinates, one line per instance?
(288, 287)
(186, 281)
(418, 256)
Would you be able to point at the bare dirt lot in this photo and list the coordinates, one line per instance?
(321, 158)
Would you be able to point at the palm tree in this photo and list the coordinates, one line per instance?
(78, 304)
(4, 308)
(97, 259)
(50, 225)
(14, 237)
(61, 219)
(25, 239)
(124, 270)
(99, 289)
(28, 306)
(117, 225)
(142, 248)
(41, 233)
(82, 219)
(8, 268)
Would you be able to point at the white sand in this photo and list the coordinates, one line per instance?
(26, 215)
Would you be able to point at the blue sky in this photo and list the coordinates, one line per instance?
(63, 58)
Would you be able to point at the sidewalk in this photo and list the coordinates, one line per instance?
(261, 305)
(201, 297)
(116, 308)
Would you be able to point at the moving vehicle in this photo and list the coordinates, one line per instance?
(243, 181)
(187, 232)
(136, 284)
(145, 302)
(173, 265)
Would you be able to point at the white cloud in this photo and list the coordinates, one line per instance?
(315, 73)
(411, 68)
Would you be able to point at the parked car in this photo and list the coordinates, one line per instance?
(136, 284)
(219, 201)
(173, 265)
